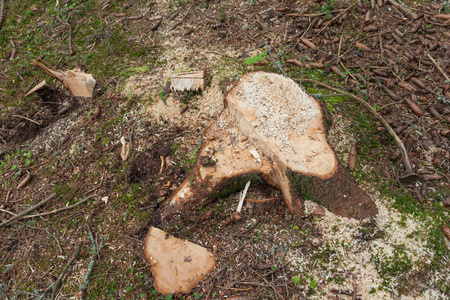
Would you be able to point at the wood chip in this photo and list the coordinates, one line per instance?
(352, 158)
(176, 265)
(36, 88)
(79, 83)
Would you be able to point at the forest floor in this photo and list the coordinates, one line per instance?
(391, 56)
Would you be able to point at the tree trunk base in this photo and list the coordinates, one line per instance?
(246, 144)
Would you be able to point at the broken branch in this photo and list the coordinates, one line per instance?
(28, 119)
(59, 209)
(2, 12)
(70, 32)
(26, 212)
(57, 283)
(332, 20)
(404, 8)
(438, 67)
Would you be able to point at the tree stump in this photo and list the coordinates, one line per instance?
(273, 130)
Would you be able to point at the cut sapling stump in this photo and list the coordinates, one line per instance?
(79, 83)
(272, 129)
(189, 81)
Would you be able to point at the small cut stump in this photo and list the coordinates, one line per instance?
(271, 128)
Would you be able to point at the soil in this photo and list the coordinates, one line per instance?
(74, 152)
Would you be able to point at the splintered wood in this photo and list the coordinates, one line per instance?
(177, 265)
(189, 81)
(273, 129)
(79, 83)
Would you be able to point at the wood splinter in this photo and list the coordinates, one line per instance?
(273, 130)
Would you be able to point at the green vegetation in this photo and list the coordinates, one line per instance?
(252, 60)
(16, 161)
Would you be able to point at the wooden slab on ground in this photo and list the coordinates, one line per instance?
(177, 265)
(188, 81)
(270, 115)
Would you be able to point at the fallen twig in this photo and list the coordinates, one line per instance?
(156, 25)
(409, 175)
(8, 212)
(66, 23)
(2, 12)
(404, 8)
(438, 67)
(94, 252)
(59, 209)
(26, 212)
(13, 52)
(55, 285)
(332, 20)
(28, 119)
(162, 164)
(68, 207)
(182, 20)
(24, 181)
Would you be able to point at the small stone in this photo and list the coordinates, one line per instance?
(316, 242)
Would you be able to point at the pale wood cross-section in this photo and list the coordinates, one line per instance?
(177, 265)
(188, 81)
(272, 128)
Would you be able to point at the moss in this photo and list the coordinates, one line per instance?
(303, 184)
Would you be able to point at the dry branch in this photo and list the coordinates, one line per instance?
(54, 286)
(438, 67)
(335, 18)
(59, 209)
(404, 8)
(2, 12)
(26, 212)
(28, 119)
(24, 181)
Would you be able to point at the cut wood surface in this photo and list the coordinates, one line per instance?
(79, 83)
(37, 87)
(189, 81)
(177, 265)
(270, 115)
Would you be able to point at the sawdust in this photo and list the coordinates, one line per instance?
(280, 104)
(201, 111)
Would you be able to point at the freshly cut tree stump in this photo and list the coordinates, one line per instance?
(273, 129)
